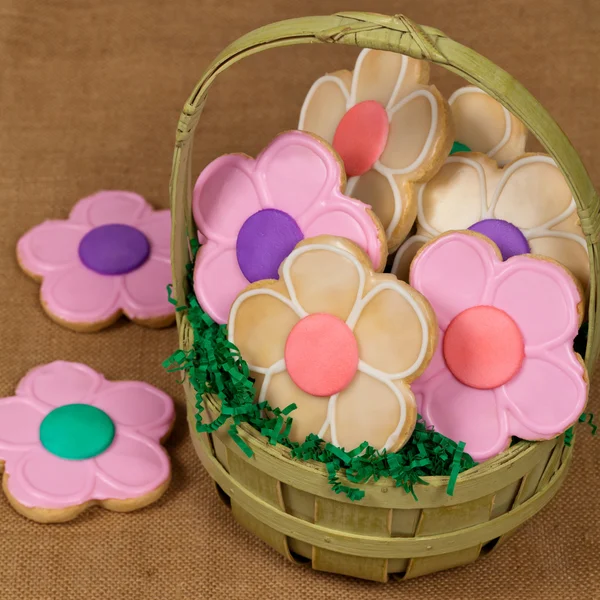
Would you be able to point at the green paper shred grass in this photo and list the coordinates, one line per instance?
(215, 366)
(584, 418)
(459, 147)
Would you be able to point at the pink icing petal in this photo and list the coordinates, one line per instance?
(225, 195)
(78, 295)
(112, 206)
(452, 272)
(298, 171)
(138, 406)
(59, 383)
(464, 414)
(133, 466)
(347, 218)
(50, 246)
(547, 396)
(145, 290)
(43, 480)
(541, 297)
(217, 280)
(157, 228)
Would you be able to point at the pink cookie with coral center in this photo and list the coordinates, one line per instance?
(109, 258)
(70, 439)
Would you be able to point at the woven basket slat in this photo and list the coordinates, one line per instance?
(290, 504)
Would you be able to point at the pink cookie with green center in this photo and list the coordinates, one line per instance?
(505, 364)
(70, 439)
(252, 213)
(109, 258)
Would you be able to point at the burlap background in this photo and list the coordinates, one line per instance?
(89, 98)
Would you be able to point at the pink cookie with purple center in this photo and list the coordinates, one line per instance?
(252, 213)
(505, 364)
(109, 258)
(70, 439)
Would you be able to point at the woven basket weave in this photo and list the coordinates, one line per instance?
(289, 504)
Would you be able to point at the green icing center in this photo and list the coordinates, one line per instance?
(77, 431)
(459, 147)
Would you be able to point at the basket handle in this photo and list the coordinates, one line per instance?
(395, 34)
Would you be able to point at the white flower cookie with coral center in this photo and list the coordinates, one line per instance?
(525, 207)
(484, 125)
(337, 340)
(390, 128)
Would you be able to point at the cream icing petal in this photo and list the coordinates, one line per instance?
(225, 195)
(133, 466)
(375, 189)
(325, 105)
(542, 299)
(259, 324)
(137, 406)
(145, 290)
(405, 255)
(42, 480)
(50, 246)
(58, 383)
(217, 280)
(157, 228)
(78, 295)
(299, 171)
(109, 207)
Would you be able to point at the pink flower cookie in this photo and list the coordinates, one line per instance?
(484, 125)
(389, 126)
(70, 439)
(505, 365)
(252, 213)
(110, 257)
(339, 341)
(525, 207)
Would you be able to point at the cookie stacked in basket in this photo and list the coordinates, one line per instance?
(398, 255)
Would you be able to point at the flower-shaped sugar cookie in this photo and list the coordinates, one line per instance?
(70, 439)
(484, 125)
(389, 126)
(339, 341)
(505, 365)
(526, 207)
(110, 257)
(252, 213)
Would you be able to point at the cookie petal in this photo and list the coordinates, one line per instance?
(311, 413)
(78, 295)
(547, 396)
(20, 420)
(324, 279)
(452, 272)
(259, 325)
(109, 207)
(464, 414)
(145, 290)
(50, 246)
(217, 280)
(392, 330)
(157, 228)
(42, 480)
(299, 171)
(59, 383)
(406, 254)
(133, 466)
(224, 196)
(326, 104)
(372, 409)
(542, 299)
(137, 406)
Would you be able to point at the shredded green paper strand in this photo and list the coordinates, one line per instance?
(215, 366)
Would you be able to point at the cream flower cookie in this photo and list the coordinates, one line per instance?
(390, 128)
(339, 341)
(525, 207)
(484, 125)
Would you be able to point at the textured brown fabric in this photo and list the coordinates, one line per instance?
(89, 98)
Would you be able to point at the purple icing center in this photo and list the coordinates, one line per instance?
(264, 241)
(114, 249)
(505, 235)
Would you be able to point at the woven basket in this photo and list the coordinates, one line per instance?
(289, 504)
